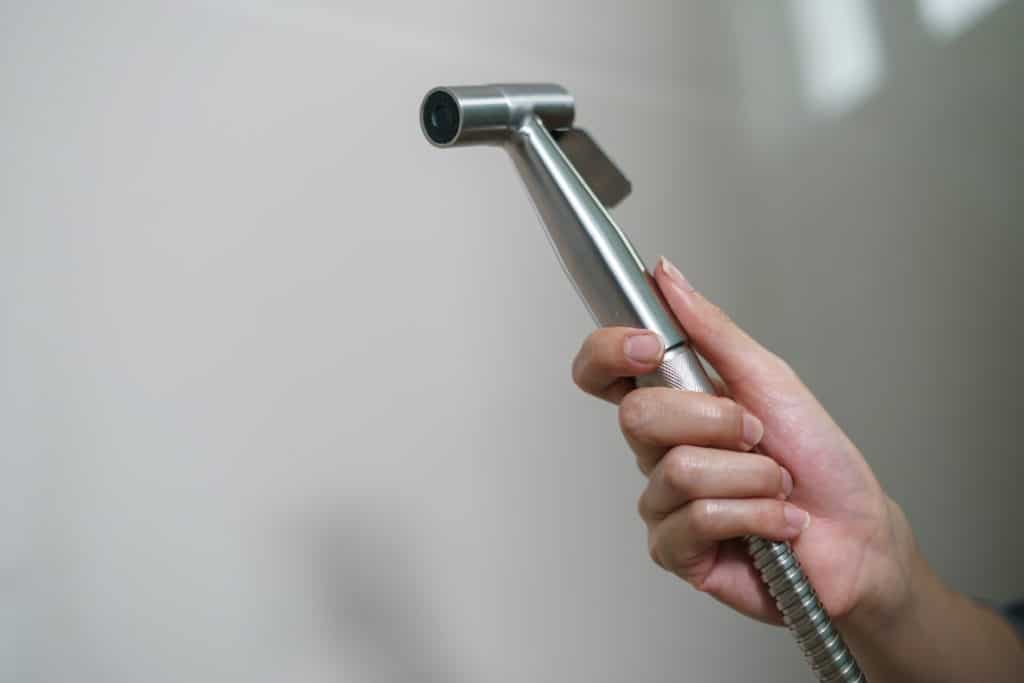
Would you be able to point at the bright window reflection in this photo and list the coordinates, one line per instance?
(949, 18)
(839, 50)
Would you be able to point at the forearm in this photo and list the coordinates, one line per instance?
(940, 636)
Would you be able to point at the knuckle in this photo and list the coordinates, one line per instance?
(703, 518)
(644, 508)
(683, 470)
(654, 549)
(634, 411)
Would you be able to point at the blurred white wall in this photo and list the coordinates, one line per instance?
(284, 390)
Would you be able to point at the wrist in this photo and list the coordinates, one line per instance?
(902, 588)
(916, 628)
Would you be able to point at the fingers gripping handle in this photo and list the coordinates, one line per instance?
(780, 570)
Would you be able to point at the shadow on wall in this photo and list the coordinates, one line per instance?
(372, 603)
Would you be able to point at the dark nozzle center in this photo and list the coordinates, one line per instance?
(441, 117)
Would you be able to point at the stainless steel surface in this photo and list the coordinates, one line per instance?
(613, 283)
(596, 256)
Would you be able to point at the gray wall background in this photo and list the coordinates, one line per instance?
(284, 391)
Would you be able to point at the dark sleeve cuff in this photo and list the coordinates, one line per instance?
(1014, 613)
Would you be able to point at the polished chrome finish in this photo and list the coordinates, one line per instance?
(597, 257)
(616, 288)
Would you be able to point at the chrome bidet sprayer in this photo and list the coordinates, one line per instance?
(572, 184)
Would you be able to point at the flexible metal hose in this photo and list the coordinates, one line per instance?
(807, 620)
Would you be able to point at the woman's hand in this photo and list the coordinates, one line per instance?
(811, 486)
(707, 488)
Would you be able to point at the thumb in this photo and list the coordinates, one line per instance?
(741, 361)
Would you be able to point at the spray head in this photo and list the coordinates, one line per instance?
(572, 183)
(488, 114)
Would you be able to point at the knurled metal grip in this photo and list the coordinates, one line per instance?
(780, 570)
(680, 369)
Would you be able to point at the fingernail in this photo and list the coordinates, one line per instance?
(787, 483)
(643, 348)
(797, 520)
(675, 275)
(753, 430)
